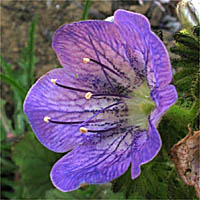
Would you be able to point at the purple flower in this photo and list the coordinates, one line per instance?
(107, 101)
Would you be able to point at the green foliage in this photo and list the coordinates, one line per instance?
(151, 184)
(196, 31)
(7, 170)
(156, 181)
(176, 188)
(88, 192)
(13, 124)
(86, 9)
(27, 59)
(16, 87)
(173, 126)
(186, 78)
(5, 123)
(34, 162)
(24, 77)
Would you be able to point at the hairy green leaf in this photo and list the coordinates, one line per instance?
(88, 192)
(34, 162)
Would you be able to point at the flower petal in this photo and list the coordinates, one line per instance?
(46, 99)
(93, 164)
(97, 40)
(145, 151)
(135, 30)
(158, 65)
(164, 99)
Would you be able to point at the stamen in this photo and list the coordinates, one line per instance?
(86, 60)
(53, 81)
(46, 119)
(83, 130)
(61, 122)
(111, 95)
(99, 61)
(104, 130)
(88, 95)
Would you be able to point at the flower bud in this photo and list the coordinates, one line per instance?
(188, 12)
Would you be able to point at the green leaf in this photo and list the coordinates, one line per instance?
(14, 85)
(31, 48)
(88, 192)
(5, 123)
(86, 9)
(185, 39)
(7, 171)
(6, 67)
(156, 181)
(34, 162)
(27, 58)
(19, 116)
(186, 81)
(178, 190)
(173, 125)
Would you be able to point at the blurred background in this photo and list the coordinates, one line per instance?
(27, 28)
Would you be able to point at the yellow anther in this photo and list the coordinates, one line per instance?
(88, 95)
(86, 60)
(53, 81)
(83, 130)
(46, 119)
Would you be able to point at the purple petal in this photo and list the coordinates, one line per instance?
(64, 105)
(135, 30)
(164, 99)
(97, 40)
(147, 150)
(95, 163)
(158, 65)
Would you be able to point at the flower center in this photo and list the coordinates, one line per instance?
(137, 105)
(140, 106)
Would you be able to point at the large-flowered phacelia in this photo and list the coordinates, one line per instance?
(105, 103)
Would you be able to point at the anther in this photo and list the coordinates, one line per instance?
(86, 60)
(53, 81)
(83, 130)
(46, 119)
(88, 95)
